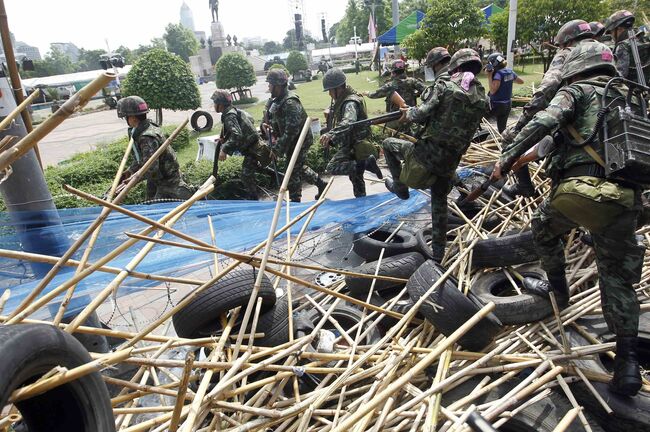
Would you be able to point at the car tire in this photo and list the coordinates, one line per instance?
(454, 308)
(200, 318)
(510, 309)
(399, 266)
(369, 244)
(194, 121)
(504, 251)
(31, 350)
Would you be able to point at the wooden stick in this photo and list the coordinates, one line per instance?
(27, 303)
(47, 384)
(417, 368)
(93, 238)
(4, 124)
(568, 418)
(182, 390)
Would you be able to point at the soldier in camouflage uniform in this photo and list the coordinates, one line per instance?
(582, 196)
(451, 113)
(164, 177)
(598, 29)
(355, 154)
(239, 135)
(286, 117)
(618, 25)
(569, 35)
(408, 88)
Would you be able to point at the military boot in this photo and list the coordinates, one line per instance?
(371, 165)
(627, 377)
(398, 188)
(320, 184)
(524, 186)
(555, 283)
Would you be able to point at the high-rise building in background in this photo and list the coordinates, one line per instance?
(187, 18)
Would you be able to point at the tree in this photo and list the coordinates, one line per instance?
(291, 43)
(126, 53)
(181, 41)
(357, 14)
(234, 71)
(447, 23)
(538, 21)
(407, 7)
(272, 48)
(332, 32)
(89, 59)
(164, 80)
(54, 63)
(296, 62)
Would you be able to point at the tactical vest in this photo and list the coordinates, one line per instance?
(249, 133)
(362, 113)
(276, 111)
(459, 113)
(167, 164)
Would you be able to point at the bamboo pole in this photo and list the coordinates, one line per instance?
(67, 376)
(19, 314)
(182, 390)
(4, 124)
(568, 418)
(95, 234)
(419, 367)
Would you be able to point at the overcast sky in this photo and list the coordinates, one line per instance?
(87, 23)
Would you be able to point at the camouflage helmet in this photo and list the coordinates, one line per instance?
(497, 60)
(437, 55)
(597, 28)
(398, 65)
(131, 106)
(333, 78)
(573, 30)
(466, 56)
(622, 18)
(221, 97)
(277, 77)
(589, 56)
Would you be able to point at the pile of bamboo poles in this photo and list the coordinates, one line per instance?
(403, 382)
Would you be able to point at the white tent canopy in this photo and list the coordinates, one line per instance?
(68, 79)
(341, 51)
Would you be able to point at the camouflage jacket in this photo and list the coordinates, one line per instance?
(451, 115)
(349, 108)
(408, 88)
(147, 137)
(287, 117)
(238, 132)
(577, 105)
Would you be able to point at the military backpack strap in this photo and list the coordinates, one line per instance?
(587, 147)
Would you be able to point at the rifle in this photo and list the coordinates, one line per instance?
(269, 134)
(636, 57)
(385, 118)
(539, 151)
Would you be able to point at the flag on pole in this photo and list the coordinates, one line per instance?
(372, 30)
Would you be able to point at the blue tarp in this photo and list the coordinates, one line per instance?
(239, 226)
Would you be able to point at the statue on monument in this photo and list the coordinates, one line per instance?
(214, 9)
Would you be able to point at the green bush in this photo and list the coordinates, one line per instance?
(181, 141)
(296, 62)
(234, 71)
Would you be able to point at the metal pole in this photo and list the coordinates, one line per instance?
(512, 30)
(356, 55)
(395, 22)
(16, 84)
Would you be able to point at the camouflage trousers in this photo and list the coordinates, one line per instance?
(300, 174)
(171, 188)
(397, 150)
(344, 163)
(619, 258)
